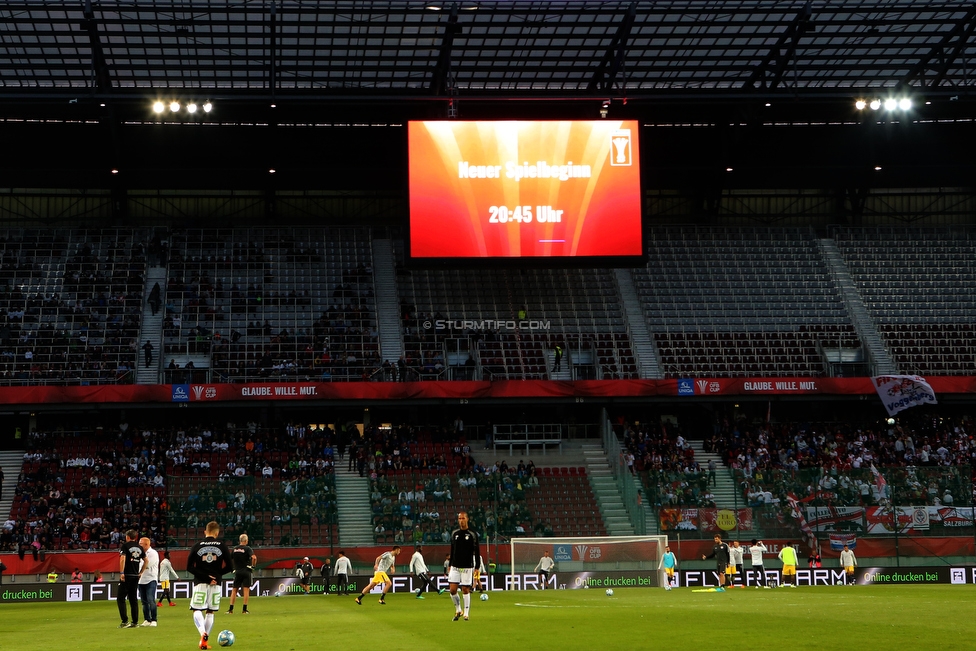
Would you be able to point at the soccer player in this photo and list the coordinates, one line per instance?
(342, 569)
(670, 565)
(720, 552)
(788, 556)
(244, 560)
(385, 564)
(735, 563)
(207, 562)
(465, 561)
(326, 572)
(130, 557)
(305, 575)
(418, 567)
(848, 562)
(166, 574)
(148, 578)
(543, 567)
(757, 549)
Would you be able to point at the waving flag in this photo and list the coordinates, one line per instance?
(900, 392)
(879, 483)
(794, 503)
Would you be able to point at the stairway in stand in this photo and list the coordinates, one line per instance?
(605, 489)
(387, 300)
(152, 329)
(352, 506)
(725, 488)
(11, 461)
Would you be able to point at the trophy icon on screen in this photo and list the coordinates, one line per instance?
(620, 151)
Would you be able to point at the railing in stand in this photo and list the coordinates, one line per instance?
(543, 434)
(629, 492)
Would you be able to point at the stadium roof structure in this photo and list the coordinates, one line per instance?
(767, 88)
(409, 58)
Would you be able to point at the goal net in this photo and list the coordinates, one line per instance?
(604, 561)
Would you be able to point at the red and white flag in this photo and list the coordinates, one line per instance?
(900, 392)
(879, 482)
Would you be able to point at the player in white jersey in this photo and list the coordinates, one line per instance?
(385, 564)
(418, 567)
(848, 561)
(756, 550)
(544, 567)
(735, 564)
(342, 569)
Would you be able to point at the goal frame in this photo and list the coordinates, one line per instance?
(655, 564)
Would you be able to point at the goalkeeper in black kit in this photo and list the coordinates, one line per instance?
(465, 561)
(244, 561)
(207, 562)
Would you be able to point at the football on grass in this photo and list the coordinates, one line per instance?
(484, 597)
(225, 638)
(609, 592)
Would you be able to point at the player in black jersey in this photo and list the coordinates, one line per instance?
(130, 559)
(207, 562)
(465, 561)
(244, 561)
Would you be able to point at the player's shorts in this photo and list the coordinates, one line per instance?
(669, 571)
(380, 577)
(544, 573)
(849, 569)
(789, 570)
(164, 585)
(461, 576)
(730, 569)
(205, 597)
(242, 579)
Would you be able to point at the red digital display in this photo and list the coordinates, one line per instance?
(481, 190)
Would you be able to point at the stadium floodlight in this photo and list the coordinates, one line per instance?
(115, 170)
(860, 105)
(890, 104)
(877, 168)
(207, 106)
(191, 108)
(158, 107)
(875, 104)
(728, 169)
(905, 104)
(174, 106)
(272, 170)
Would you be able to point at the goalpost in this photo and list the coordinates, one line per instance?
(590, 561)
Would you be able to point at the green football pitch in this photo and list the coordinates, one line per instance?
(856, 618)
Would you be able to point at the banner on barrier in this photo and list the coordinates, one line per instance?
(718, 520)
(403, 584)
(834, 518)
(835, 576)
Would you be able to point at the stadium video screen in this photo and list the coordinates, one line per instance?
(563, 190)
